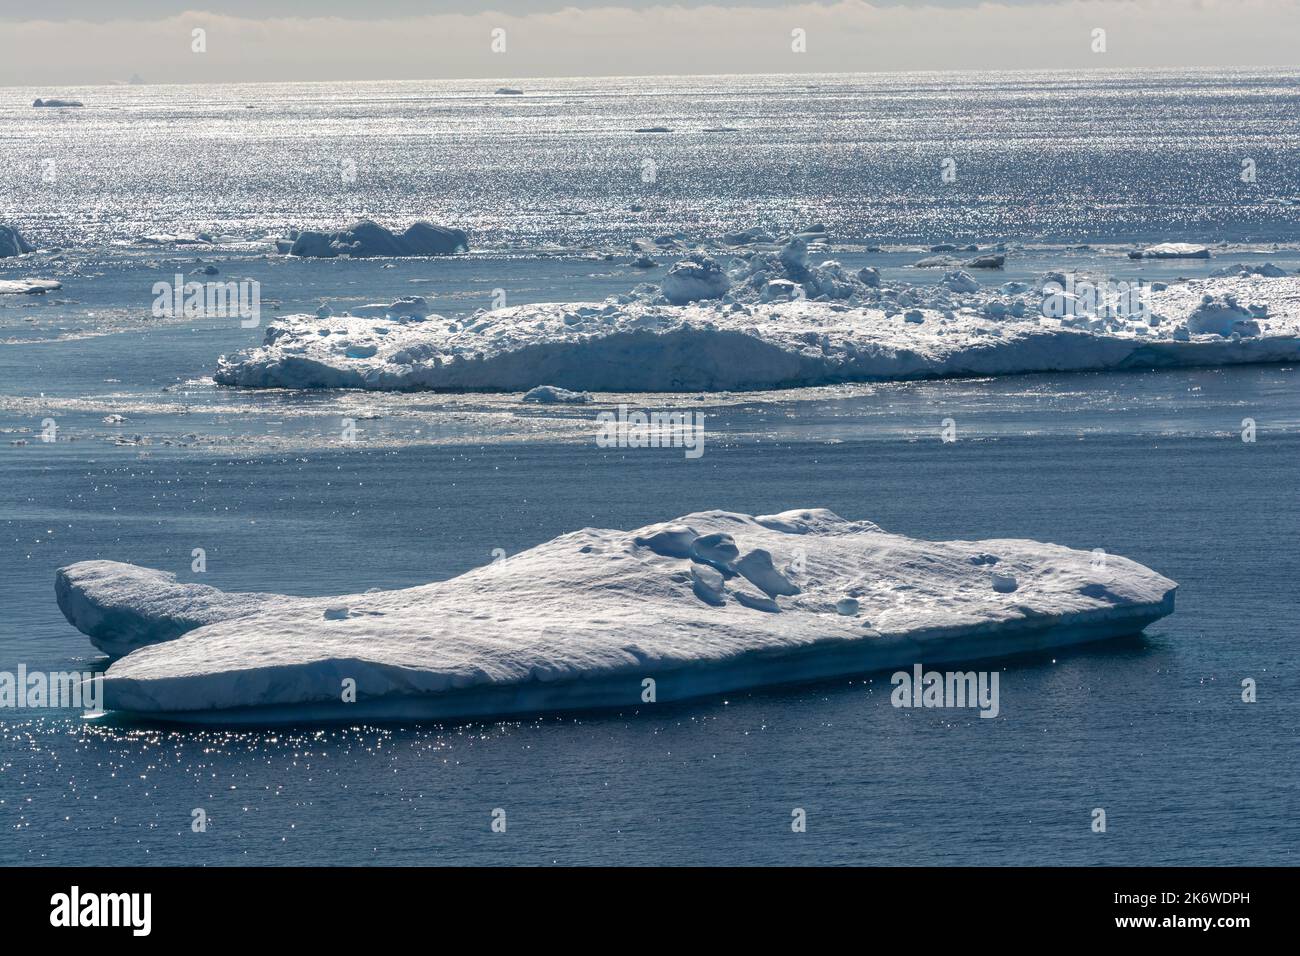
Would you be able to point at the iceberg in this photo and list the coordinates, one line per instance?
(1171, 250)
(367, 239)
(12, 242)
(694, 279)
(629, 344)
(551, 395)
(707, 603)
(28, 286)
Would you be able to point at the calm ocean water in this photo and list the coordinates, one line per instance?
(1149, 465)
(1104, 155)
(1152, 730)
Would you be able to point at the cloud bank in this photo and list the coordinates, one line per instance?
(849, 36)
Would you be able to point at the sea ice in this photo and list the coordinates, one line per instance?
(553, 395)
(28, 286)
(121, 607)
(697, 606)
(886, 332)
(1172, 250)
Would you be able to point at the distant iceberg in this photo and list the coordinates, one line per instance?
(12, 242)
(366, 239)
(708, 603)
(29, 286)
(953, 328)
(551, 395)
(1172, 250)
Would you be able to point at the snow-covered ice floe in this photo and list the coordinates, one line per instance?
(954, 328)
(708, 603)
(29, 286)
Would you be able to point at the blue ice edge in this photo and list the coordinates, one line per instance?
(749, 670)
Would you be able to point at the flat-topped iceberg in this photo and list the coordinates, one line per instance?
(1172, 250)
(954, 328)
(710, 602)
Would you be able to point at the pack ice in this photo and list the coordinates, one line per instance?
(778, 339)
(708, 603)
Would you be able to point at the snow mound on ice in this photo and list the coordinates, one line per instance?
(696, 604)
(628, 344)
(694, 279)
(1221, 316)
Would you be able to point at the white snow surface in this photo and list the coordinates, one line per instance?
(629, 344)
(710, 602)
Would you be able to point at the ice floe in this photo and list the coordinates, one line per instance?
(553, 395)
(28, 286)
(708, 603)
(1172, 250)
(830, 327)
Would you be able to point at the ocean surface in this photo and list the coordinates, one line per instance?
(1050, 156)
(153, 460)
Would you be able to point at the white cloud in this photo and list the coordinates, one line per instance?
(850, 36)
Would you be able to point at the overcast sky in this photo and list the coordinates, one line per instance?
(78, 42)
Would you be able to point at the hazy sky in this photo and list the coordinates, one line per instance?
(74, 42)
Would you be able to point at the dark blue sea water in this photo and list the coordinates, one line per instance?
(1152, 730)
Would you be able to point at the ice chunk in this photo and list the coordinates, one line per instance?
(756, 567)
(407, 306)
(581, 620)
(1004, 583)
(367, 238)
(12, 242)
(693, 279)
(554, 395)
(1221, 316)
(718, 549)
(671, 540)
(708, 585)
(1172, 250)
(28, 286)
